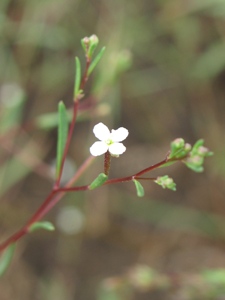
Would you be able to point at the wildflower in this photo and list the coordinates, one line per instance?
(109, 141)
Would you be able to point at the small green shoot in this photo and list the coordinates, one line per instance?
(6, 258)
(92, 45)
(139, 188)
(179, 149)
(77, 90)
(100, 180)
(196, 156)
(166, 182)
(42, 225)
(62, 135)
(89, 45)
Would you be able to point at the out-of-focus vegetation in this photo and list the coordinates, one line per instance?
(162, 77)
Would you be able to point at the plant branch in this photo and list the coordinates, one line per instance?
(56, 194)
(51, 200)
(72, 124)
(85, 76)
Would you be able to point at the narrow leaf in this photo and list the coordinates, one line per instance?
(50, 120)
(100, 180)
(139, 188)
(96, 61)
(77, 78)
(42, 225)
(6, 258)
(62, 135)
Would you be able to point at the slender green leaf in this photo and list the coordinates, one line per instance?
(77, 78)
(62, 135)
(6, 258)
(100, 180)
(96, 61)
(50, 120)
(139, 188)
(42, 225)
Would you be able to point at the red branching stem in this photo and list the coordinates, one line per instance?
(52, 199)
(56, 194)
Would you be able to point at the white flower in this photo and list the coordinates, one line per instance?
(109, 141)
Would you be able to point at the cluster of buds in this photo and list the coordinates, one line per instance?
(193, 157)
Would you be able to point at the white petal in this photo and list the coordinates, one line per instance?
(117, 148)
(98, 148)
(101, 132)
(119, 135)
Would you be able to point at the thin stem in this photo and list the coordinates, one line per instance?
(85, 76)
(56, 194)
(107, 162)
(48, 204)
(153, 167)
(124, 179)
(52, 199)
(146, 178)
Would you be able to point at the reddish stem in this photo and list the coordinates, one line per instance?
(52, 199)
(159, 164)
(107, 162)
(85, 76)
(57, 193)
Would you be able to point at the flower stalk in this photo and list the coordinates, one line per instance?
(107, 163)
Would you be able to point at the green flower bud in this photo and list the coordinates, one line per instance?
(166, 182)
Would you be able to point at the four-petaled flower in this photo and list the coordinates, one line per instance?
(109, 141)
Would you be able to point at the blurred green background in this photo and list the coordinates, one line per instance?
(162, 77)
